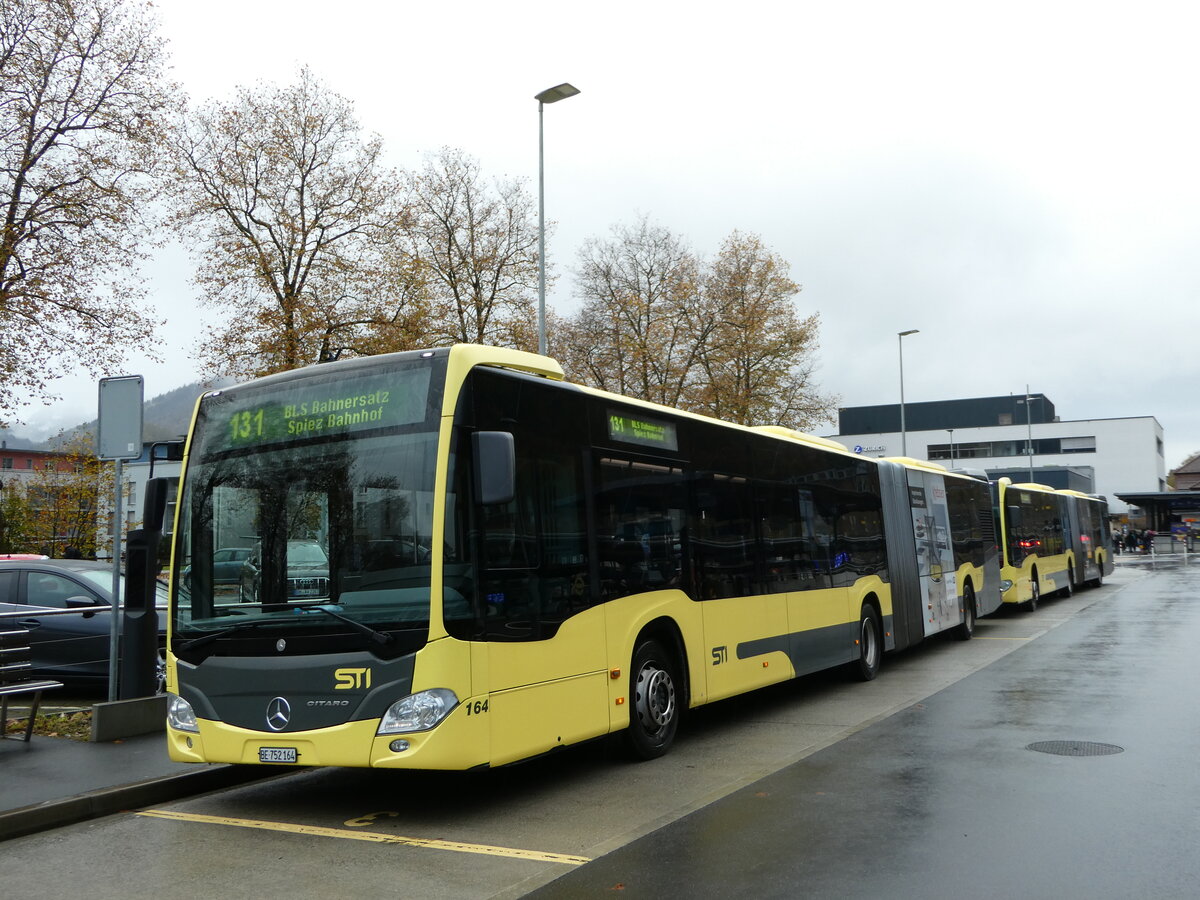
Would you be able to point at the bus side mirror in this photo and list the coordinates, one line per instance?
(495, 467)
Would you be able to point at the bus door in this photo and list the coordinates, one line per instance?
(544, 632)
(1083, 531)
(935, 554)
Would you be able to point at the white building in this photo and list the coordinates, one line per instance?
(1101, 456)
(134, 476)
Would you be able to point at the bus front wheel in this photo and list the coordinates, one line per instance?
(654, 718)
(870, 645)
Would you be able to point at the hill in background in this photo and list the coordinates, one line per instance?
(164, 418)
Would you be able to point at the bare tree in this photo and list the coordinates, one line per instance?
(295, 216)
(83, 96)
(477, 245)
(642, 323)
(758, 359)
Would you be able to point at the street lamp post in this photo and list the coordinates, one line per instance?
(903, 436)
(951, 430)
(1029, 430)
(550, 95)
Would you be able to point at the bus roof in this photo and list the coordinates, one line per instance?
(914, 463)
(800, 437)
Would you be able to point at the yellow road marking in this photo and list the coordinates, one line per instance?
(371, 836)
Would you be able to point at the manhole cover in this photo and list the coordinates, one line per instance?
(1075, 748)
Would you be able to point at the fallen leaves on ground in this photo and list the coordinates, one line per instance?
(75, 726)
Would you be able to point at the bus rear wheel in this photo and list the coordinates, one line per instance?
(870, 645)
(654, 718)
(1035, 592)
(966, 628)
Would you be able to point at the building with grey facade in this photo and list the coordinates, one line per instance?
(1020, 436)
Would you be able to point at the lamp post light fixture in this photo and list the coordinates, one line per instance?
(903, 436)
(550, 95)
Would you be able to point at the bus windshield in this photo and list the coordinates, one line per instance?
(307, 509)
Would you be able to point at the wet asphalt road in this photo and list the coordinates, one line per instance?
(946, 798)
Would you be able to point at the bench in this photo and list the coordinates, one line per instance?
(15, 678)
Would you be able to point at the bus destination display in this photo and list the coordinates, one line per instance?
(646, 432)
(303, 410)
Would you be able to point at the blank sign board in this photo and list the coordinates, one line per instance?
(120, 417)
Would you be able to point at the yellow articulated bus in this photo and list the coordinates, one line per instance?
(453, 558)
(1052, 541)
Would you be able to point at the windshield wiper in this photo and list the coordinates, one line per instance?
(378, 636)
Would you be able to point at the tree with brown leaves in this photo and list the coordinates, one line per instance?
(757, 361)
(642, 323)
(296, 216)
(720, 338)
(477, 246)
(64, 499)
(83, 96)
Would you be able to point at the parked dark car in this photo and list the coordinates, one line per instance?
(307, 573)
(227, 564)
(72, 648)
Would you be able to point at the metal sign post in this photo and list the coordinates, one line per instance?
(119, 438)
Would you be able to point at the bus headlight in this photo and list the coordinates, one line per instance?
(180, 714)
(1005, 585)
(418, 712)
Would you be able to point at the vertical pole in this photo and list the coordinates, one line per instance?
(541, 239)
(1029, 427)
(903, 436)
(114, 639)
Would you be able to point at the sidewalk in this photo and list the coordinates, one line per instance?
(51, 782)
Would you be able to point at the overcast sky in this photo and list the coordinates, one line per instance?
(1017, 181)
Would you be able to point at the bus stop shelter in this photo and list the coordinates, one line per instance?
(1166, 508)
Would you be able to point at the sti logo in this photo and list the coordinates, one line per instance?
(348, 679)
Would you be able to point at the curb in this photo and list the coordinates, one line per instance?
(57, 813)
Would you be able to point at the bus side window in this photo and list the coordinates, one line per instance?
(639, 525)
(794, 561)
(722, 531)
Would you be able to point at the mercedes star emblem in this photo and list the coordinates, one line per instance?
(279, 713)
